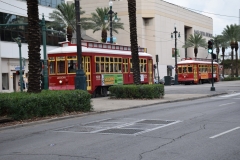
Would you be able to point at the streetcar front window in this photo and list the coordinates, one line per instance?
(52, 65)
(72, 64)
(179, 69)
(61, 65)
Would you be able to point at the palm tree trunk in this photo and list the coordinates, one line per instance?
(217, 51)
(133, 39)
(104, 35)
(33, 47)
(223, 54)
(236, 51)
(232, 63)
(195, 51)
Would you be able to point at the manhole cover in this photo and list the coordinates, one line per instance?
(155, 122)
(121, 131)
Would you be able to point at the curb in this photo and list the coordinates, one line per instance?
(97, 112)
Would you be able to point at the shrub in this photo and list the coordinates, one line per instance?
(137, 91)
(231, 78)
(28, 105)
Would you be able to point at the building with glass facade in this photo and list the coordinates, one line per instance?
(15, 12)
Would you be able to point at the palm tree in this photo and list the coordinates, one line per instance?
(224, 45)
(33, 47)
(195, 41)
(97, 23)
(230, 33)
(133, 39)
(64, 16)
(217, 44)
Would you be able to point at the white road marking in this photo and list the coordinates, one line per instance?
(225, 132)
(152, 129)
(230, 95)
(226, 104)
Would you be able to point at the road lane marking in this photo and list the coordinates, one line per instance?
(230, 95)
(225, 132)
(226, 104)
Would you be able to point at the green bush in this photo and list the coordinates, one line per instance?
(231, 78)
(137, 91)
(25, 105)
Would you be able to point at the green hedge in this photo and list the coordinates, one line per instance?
(231, 78)
(25, 105)
(137, 91)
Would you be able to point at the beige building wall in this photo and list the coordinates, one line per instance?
(155, 23)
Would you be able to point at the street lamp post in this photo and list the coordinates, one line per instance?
(18, 41)
(176, 72)
(80, 79)
(111, 13)
(45, 70)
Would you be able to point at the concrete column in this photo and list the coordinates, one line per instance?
(0, 67)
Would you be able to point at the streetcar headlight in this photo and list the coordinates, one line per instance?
(60, 81)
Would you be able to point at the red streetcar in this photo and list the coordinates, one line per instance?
(104, 65)
(197, 71)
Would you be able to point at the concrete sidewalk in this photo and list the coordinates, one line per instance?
(104, 104)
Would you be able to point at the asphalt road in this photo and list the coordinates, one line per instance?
(202, 129)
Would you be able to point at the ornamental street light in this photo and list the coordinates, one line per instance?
(109, 16)
(80, 79)
(176, 71)
(18, 41)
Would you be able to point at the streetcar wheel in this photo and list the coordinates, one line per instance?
(104, 91)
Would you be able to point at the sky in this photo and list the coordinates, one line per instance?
(228, 8)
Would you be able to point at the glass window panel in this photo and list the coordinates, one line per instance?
(61, 66)
(72, 66)
(52, 67)
(102, 67)
(102, 59)
(97, 59)
(120, 67)
(97, 67)
(179, 69)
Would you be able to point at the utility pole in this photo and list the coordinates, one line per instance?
(80, 79)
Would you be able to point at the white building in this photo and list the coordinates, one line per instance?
(155, 23)
(15, 11)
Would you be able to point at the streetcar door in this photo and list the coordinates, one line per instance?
(150, 72)
(87, 69)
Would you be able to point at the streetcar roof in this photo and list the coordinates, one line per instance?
(73, 49)
(193, 61)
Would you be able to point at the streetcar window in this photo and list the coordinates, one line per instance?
(125, 65)
(61, 65)
(72, 66)
(179, 69)
(142, 65)
(97, 67)
(52, 64)
(189, 68)
(184, 69)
